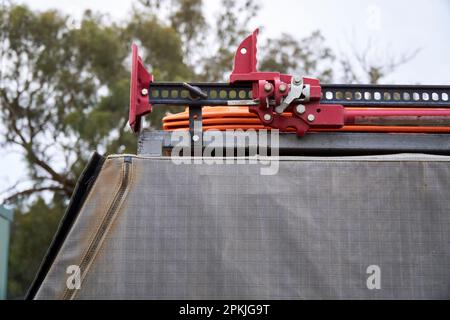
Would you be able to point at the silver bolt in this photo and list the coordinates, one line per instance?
(267, 117)
(267, 87)
(311, 117)
(195, 138)
(282, 87)
(300, 109)
(144, 92)
(297, 79)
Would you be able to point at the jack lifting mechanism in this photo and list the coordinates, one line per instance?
(294, 103)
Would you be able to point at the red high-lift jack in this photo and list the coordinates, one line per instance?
(310, 105)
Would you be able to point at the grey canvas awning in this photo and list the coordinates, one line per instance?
(147, 228)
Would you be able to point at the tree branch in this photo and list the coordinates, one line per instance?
(30, 191)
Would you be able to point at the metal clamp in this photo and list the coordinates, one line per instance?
(196, 130)
(296, 91)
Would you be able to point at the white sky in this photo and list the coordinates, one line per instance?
(393, 26)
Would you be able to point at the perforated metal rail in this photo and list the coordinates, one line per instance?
(220, 94)
(386, 95)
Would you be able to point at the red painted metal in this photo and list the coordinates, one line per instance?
(398, 117)
(352, 113)
(370, 120)
(244, 69)
(140, 80)
(245, 61)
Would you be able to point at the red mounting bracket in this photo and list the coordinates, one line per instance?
(273, 86)
(245, 70)
(139, 90)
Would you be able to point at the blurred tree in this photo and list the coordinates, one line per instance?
(231, 26)
(312, 57)
(208, 49)
(63, 93)
(64, 90)
(188, 19)
(51, 107)
(367, 65)
(31, 236)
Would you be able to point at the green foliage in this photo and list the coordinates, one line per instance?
(31, 236)
(230, 28)
(64, 93)
(312, 58)
(188, 19)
